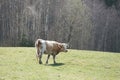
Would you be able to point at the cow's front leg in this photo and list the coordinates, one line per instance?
(47, 58)
(54, 59)
(40, 57)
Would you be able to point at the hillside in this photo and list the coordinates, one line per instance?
(85, 24)
(19, 63)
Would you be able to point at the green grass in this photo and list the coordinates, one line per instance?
(20, 64)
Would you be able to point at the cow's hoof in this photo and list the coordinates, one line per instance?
(40, 62)
(46, 62)
(55, 63)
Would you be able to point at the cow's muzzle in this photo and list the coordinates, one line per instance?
(66, 50)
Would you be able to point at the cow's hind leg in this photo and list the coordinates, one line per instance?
(40, 57)
(47, 58)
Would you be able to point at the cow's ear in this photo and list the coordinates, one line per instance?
(59, 46)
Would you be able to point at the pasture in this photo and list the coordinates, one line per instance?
(19, 63)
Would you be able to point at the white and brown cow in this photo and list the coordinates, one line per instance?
(49, 47)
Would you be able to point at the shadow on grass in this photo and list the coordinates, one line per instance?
(55, 65)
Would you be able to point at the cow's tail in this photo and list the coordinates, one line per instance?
(37, 45)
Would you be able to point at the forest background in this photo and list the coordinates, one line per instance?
(84, 24)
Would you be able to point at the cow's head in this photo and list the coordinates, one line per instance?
(63, 47)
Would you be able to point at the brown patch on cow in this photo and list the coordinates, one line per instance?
(55, 48)
(39, 43)
(59, 46)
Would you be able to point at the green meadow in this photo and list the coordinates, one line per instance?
(20, 63)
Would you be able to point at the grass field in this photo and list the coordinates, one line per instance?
(20, 64)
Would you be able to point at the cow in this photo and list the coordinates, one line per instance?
(49, 47)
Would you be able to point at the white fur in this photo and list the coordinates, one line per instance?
(65, 45)
(43, 49)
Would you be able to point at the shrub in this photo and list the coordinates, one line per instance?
(109, 3)
(25, 42)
